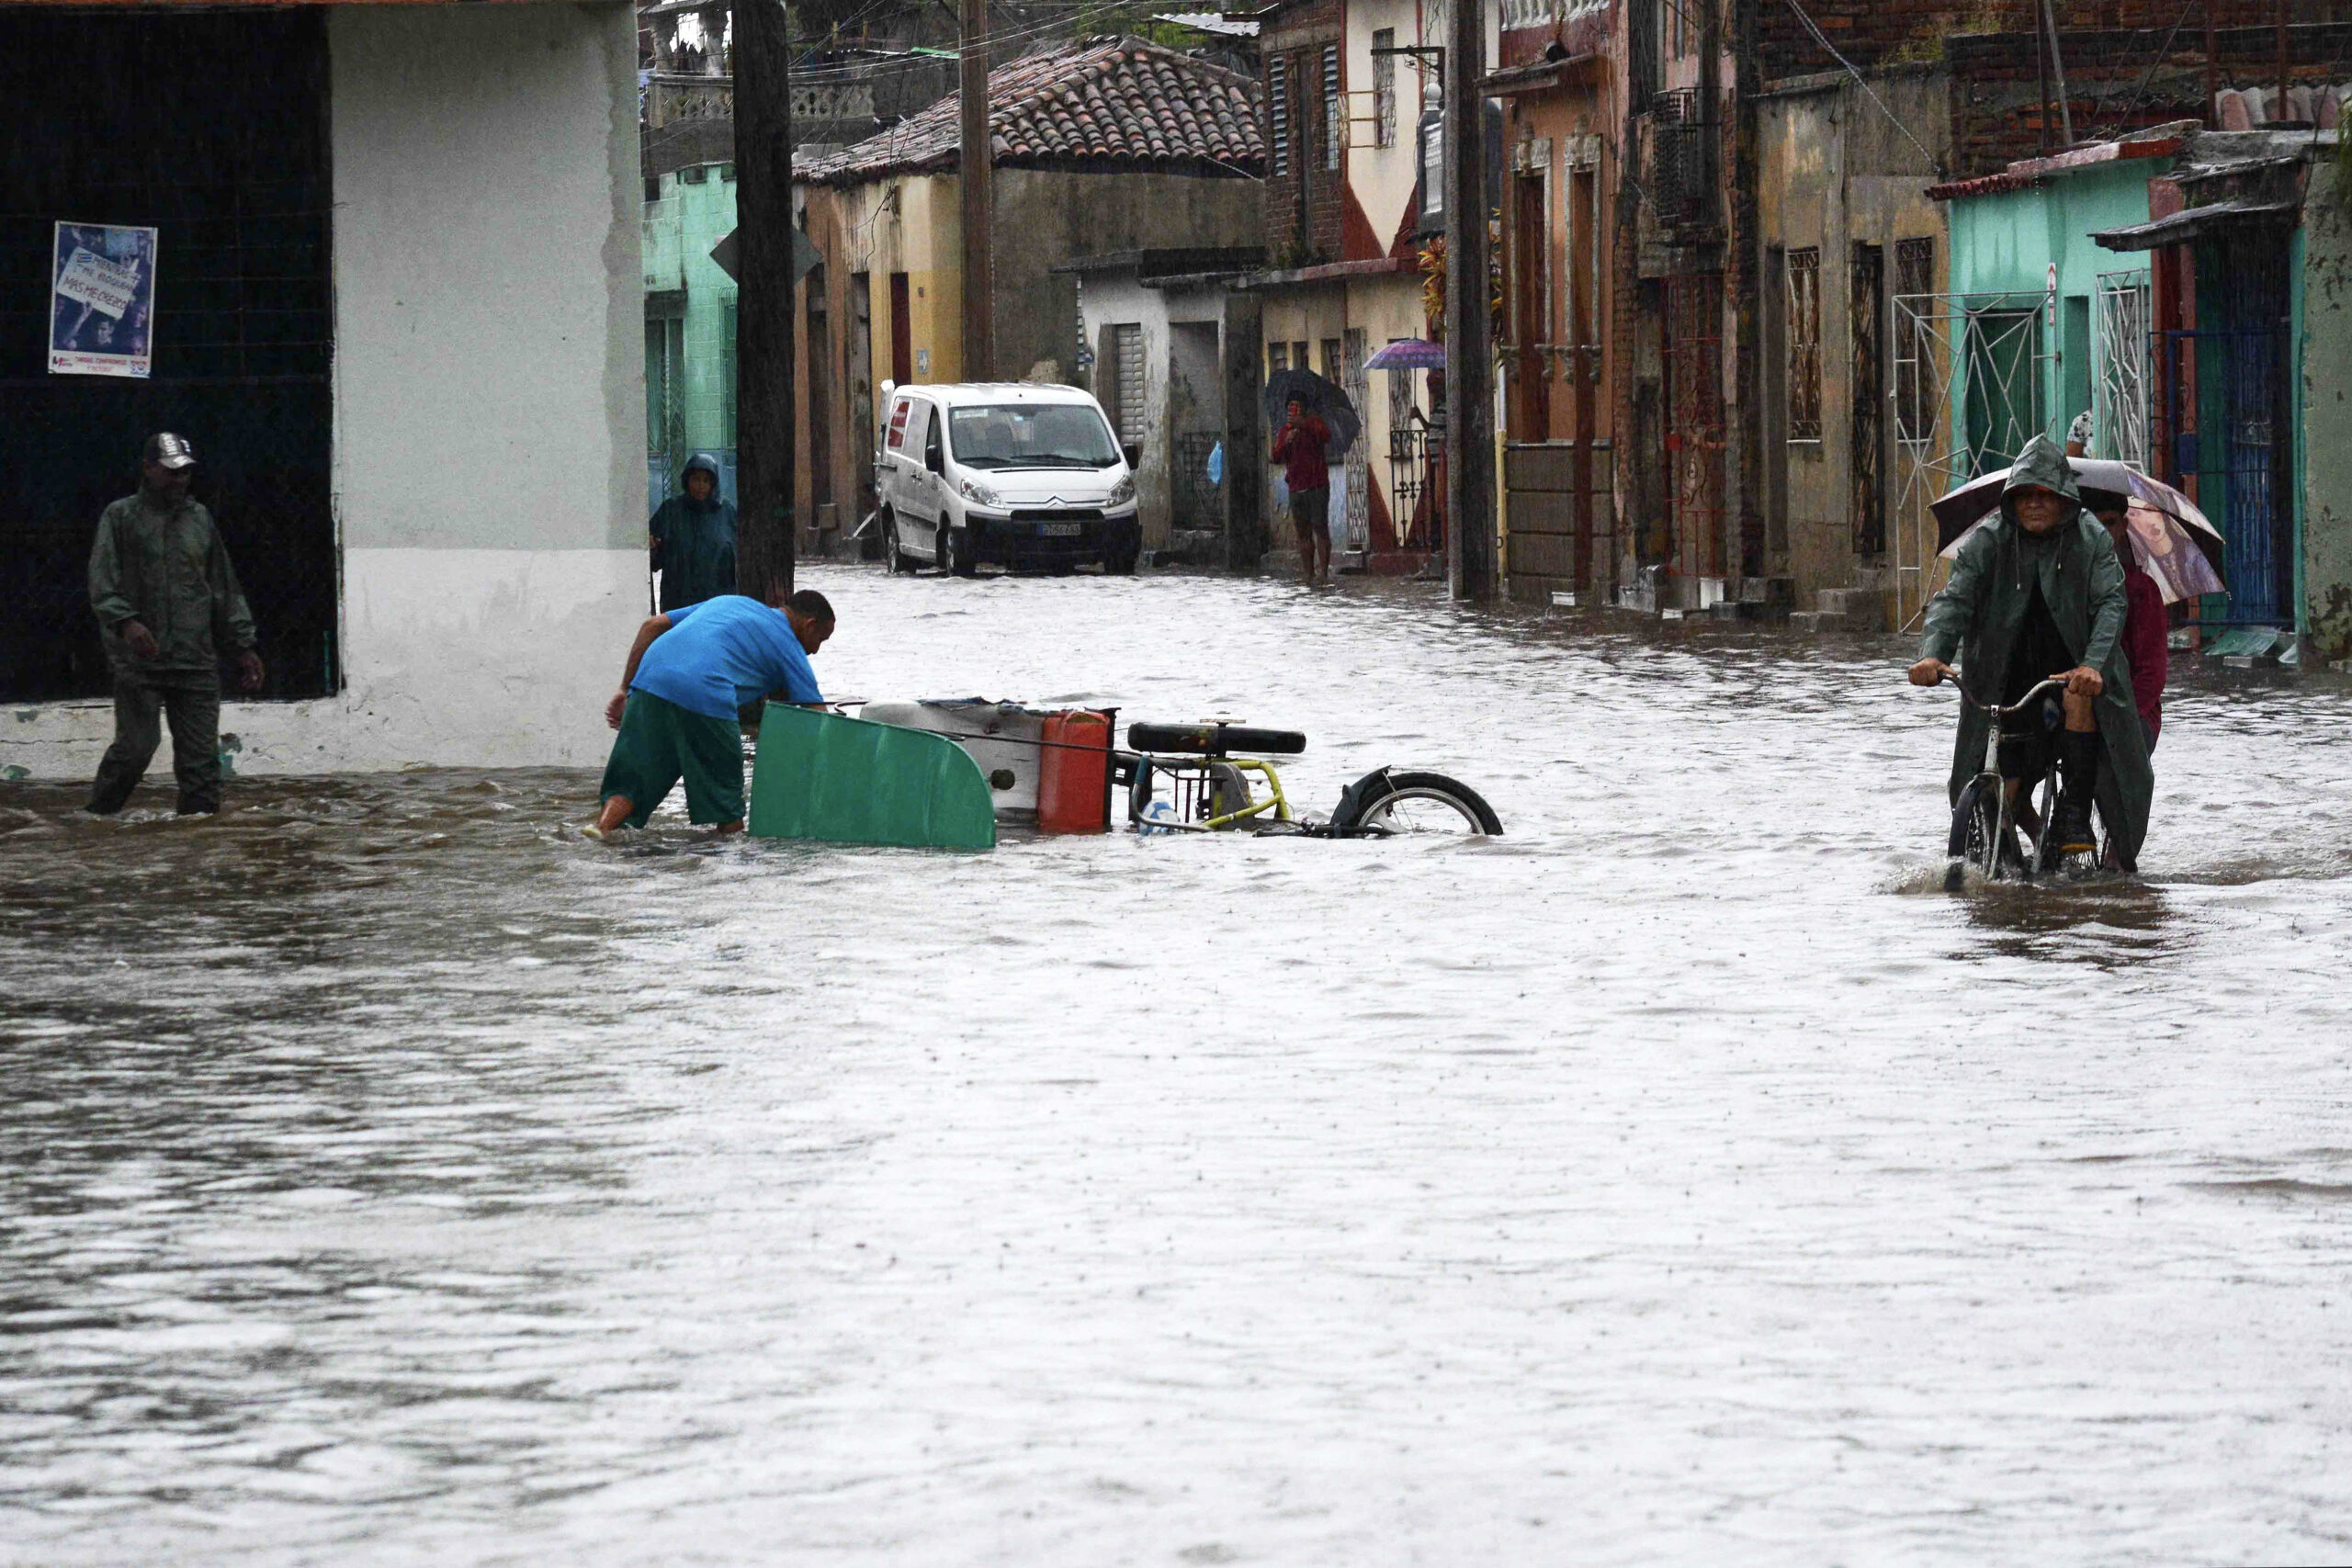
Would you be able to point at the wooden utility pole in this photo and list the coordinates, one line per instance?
(1469, 358)
(766, 461)
(2058, 75)
(2281, 112)
(2212, 85)
(976, 169)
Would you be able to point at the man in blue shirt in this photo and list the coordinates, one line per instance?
(691, 670)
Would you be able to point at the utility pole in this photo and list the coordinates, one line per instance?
(2058, 71)
(2281, 112)
(1469, 359)
(766, 460)
(976, 170)
(2212, 111)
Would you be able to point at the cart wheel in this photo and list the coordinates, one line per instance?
(1416, 803)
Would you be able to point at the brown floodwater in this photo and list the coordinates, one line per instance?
(389, 1175)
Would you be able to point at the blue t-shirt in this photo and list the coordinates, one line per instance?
(724, 654)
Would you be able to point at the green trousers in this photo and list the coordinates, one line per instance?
(192, 702)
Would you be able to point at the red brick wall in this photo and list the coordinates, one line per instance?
(1996, 89)
(1866, 31)
(1297, 39)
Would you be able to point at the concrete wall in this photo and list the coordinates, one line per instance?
(1109, 301)
(2326, 435)
(490, 417)
(1833, 173)
(1044, 218)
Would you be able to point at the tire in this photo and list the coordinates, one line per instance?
(1214, 739)
(894, 548)
(955, 554)
(1974, 822)
(1402, 802)
(1120, 565)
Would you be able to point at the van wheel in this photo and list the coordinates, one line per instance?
(894, 548)
(1123, 565)
(955, 554)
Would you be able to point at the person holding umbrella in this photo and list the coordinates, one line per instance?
(2037, 593)
(1298, 447)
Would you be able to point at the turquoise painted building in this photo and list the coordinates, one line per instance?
(2158, 285)
(689, 326)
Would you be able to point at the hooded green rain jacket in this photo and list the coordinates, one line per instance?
(163, 565)
(1979, 619)
(694, 542)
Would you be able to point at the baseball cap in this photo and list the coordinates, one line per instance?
(171, 451)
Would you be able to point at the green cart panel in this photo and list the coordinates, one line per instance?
(819, 775)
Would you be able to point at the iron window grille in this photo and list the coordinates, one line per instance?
(1804, 346)
(1384, 88)
(1679, 186)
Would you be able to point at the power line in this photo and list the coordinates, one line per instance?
(1821, 38)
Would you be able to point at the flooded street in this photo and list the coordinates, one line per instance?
(389, 1175)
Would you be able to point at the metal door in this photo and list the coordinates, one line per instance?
(1695, 429)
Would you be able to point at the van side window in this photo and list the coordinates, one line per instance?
(931, 453)
(898, 412)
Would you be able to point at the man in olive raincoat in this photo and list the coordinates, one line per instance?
(693, 539)
(2035, 593)
(168, 605)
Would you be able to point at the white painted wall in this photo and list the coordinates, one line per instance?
(490, 400)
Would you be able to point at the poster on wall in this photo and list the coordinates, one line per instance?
(102, 301)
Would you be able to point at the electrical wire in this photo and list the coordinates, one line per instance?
(1822, 39)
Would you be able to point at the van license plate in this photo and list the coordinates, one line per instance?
(1061, 530)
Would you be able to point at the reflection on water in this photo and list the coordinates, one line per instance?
(389, 1175)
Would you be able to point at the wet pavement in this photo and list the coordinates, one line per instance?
(388, 1175)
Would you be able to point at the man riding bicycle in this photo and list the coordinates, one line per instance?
(2037, 593)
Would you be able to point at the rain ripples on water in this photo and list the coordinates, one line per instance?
(387, 1174)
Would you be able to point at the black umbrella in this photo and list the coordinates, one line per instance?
(1319, 398)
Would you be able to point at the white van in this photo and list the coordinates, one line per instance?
(1022, 475)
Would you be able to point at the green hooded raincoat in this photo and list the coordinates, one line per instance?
(1979, 616)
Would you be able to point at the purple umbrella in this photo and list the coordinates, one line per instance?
(1408, 353)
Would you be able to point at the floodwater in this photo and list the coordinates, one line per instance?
(390, 1176)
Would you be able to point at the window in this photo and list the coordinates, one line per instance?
(1298, 358)
(1384, 88)
(1804, 344)
(1127, 382)
(1277, 356)
(1331, 106)
(1333, 371)
(1278, 114)
(1677, 28)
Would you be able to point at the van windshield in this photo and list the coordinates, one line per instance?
(1030, 436)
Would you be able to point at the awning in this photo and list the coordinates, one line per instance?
(2193, 223)
(1540, 76)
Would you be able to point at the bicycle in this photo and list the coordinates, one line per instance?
(1211, 789)
(1984, 821)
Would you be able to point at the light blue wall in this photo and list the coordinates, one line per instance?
(692, 216)
(2004, 244)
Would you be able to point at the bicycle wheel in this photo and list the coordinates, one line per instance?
(1421, 803)
(1975, 828)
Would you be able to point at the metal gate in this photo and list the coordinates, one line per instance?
(1969, 371)
(1695, 429)
(1866, 448)
(2120, 381)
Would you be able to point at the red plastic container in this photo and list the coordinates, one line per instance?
(1074, 773)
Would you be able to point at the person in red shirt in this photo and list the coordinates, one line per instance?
(1298, 447)
(2146, 630)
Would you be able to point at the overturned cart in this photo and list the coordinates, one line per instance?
(949, 772)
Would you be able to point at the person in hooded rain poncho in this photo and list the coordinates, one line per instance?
(2036, 592)
(693, 539)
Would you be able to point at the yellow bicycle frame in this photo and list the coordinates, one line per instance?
(1274, 801)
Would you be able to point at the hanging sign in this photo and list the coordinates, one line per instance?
(102, 301)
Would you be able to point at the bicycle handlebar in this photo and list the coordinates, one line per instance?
(2055, 681)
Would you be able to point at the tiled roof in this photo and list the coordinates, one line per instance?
(1117, 106)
